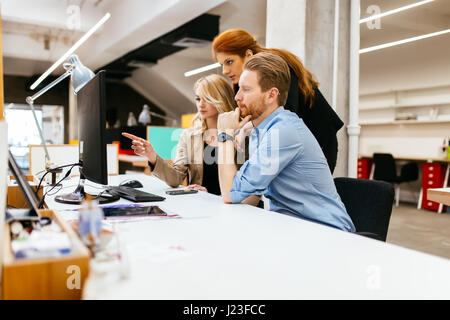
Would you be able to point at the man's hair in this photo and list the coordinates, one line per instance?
(272, 72)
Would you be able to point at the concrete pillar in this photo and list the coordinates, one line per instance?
(292, 24)
(285, 25)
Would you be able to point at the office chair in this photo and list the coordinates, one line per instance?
(385, 170)
(369, 205)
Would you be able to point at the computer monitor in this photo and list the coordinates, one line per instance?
(91, 105)
(22, 182)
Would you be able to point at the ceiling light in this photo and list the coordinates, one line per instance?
(396, 43)
(70, 51)
(388, 13)
(202, 69)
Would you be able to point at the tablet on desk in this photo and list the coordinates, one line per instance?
(133, 212)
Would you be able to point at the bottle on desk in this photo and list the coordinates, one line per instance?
(90, 223)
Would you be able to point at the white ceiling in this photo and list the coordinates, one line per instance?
(27, 25)
(245, 14)
(428, 18)
(423, 63)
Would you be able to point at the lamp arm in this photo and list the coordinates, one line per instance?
(161, 116)
(47, 156)
(30, 100)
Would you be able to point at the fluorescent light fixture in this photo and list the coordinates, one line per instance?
(396, 43)
(388, 13)
(202, 69)
(71, 50)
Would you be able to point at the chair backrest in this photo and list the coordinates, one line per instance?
(368, 203)
(409, 172)
(385, 169)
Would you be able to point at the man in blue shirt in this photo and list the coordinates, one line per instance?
(286, 163)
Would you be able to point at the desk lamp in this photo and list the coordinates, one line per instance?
(80, 76)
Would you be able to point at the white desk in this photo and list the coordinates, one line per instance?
(242, 252)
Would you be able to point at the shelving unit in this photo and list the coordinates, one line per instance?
(430, 105)
(422, 136)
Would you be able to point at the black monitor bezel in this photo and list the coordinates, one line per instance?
(97, 174)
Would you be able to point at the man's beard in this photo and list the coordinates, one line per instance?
(255, 109)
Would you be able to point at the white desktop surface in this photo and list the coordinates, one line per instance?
(242, 252)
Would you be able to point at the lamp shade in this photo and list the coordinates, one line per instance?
(80, 75)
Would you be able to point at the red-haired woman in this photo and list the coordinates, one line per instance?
(232, 47)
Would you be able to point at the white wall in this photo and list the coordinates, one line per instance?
(422, 64)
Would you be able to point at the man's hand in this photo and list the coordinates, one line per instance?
(142, 147)
(231, 121)
(239, 139)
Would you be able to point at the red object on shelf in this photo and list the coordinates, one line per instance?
(121, 151)
(433, 176)
(129, 152)
(364, 167)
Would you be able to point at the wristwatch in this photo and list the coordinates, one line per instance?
(222, 137)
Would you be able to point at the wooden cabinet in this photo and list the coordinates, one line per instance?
(45, 278)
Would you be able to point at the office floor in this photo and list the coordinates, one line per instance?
(420, 230)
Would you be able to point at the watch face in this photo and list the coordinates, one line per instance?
(224, 137)
(221, 137)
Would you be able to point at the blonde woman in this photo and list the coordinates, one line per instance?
(197, 153)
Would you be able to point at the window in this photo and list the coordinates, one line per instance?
(22, 130)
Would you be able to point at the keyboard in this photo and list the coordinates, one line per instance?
(134, 194)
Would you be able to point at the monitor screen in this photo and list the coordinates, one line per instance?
(91, 103)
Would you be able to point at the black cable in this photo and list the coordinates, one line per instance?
(100, 194)
(53, 169)
(61, 180)
(55, 192)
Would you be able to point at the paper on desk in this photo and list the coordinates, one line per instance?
(128, 205)
(73, 215)
(161, 253)
(140, 218)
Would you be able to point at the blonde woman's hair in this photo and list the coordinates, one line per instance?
(216, 90)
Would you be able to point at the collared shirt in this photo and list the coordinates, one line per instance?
(288, 167)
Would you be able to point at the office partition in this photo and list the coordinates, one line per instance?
(164, 140)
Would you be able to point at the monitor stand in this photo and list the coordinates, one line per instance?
(78, 196)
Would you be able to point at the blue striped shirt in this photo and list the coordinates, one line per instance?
(287, 166)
